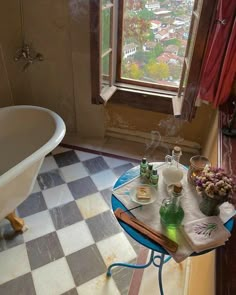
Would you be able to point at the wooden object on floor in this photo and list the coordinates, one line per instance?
(147, 231)
(17, 223)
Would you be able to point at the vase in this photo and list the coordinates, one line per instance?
(210, 206)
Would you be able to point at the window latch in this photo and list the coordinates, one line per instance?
(222, 21)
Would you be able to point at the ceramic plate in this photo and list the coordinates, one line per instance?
(151, 190)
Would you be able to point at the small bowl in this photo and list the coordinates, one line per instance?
(134, 191)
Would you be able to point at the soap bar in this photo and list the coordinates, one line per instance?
(143, 193)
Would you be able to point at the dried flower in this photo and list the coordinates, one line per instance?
(215, 183)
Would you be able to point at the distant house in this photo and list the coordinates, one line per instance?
(185, 35)
(183, 43)
(155, 25)
(129, 49)
(149, 46)
(172, 49)
(179, 23)
(162, 13)
(161, 35)
(180, 33)
(169, 58)
(152, 5)
(172, 33)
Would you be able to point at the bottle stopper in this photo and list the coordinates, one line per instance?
(177, 149)
(177, 188)
(154, 172)
(144, 160)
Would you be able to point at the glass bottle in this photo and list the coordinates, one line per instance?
(172, 173)
(149, 171)
(154, 178)
(143, 168)
(171, 211)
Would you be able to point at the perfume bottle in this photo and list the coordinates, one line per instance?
(149, 171)
(154, 178)
(143, 168)
(171, 211)
(172, 173)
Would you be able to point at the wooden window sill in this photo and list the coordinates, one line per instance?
(143, 98)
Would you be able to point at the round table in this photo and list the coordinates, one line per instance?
(154, 247)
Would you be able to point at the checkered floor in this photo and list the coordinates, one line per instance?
(73, 235)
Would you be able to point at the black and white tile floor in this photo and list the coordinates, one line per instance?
(72, 236)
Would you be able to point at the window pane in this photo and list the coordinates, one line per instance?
(106, 2)
(106, 23)
(105, 70)
(155, 35)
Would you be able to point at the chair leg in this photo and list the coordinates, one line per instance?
(17, 223)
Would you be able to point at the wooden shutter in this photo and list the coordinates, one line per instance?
(202, 19)
(102, 49)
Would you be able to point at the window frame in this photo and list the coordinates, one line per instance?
(119, 59)
(179, 102)
(99, 95)
(187, 96)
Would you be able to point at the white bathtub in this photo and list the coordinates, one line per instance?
(27, 135)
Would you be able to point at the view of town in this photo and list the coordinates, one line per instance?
(155, 36)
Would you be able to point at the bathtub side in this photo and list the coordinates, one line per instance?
(18, 189)
(17, 180)
(29, 135)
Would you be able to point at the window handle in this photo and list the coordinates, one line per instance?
(222, 21)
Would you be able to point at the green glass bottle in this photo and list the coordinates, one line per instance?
(154, 178)
(149, 171)
(143, 169)
(171, 211)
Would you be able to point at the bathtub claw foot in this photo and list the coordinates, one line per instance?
(17, 223)
(25, 228)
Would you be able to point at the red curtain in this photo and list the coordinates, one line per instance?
(219, 64)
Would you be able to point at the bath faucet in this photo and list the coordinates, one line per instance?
(27, 54)
(30, 61)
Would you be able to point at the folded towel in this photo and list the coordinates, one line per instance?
(205, 233)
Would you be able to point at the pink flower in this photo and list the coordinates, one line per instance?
(215, 183)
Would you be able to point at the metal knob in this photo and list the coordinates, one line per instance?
(222, 21)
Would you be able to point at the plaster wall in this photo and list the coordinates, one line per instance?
(5, 89)
(147, 121)
(9, 40)
(58, 29)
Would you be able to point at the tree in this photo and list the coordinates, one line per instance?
(175, 71)
(136, 29)
(157, 51)
(134, 4)
(141, 57)
(151, 36)
(156, 70)
(173, 41)
(133, 71)
(146, 14)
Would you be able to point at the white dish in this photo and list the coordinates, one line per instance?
(133, 194)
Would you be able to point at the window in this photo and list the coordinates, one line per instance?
(148, 54)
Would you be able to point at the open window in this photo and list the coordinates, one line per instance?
(148, 54)
(102, 26)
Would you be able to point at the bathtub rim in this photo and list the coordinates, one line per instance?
(54, 141)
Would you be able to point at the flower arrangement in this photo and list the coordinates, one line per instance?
(215, 183)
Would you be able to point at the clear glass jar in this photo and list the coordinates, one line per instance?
(172, 173)
(197, 164)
